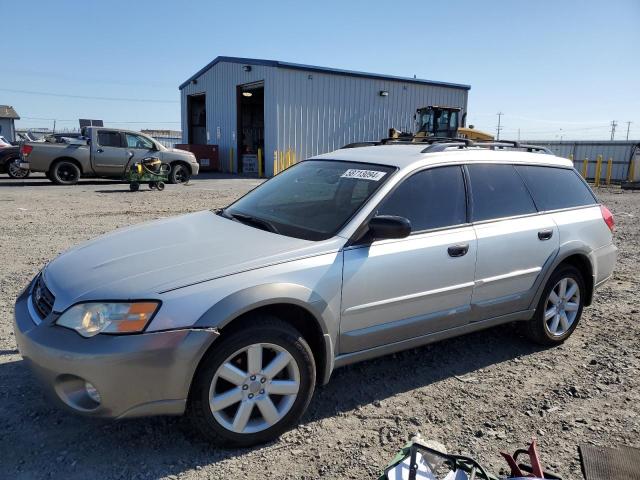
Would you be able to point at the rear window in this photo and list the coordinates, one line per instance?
(555, 188)
(498, 191)
(109, 139)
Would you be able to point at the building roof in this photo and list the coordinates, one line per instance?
(402, 156)
(7, 111)
(313, 68)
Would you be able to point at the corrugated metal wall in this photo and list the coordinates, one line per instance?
(308, 113)
(620, 152)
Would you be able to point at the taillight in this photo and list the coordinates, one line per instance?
(607, 216)
(25, 150)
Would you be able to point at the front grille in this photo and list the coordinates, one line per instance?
(42, 298)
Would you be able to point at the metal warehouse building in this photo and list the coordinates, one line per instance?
(290, 112)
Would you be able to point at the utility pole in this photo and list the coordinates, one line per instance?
(54, 126)
(518, 134)
(628, 127)
(614, 124)
(499, 127)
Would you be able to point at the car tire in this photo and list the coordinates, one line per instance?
(64, 172)
(558, 313)
(180, 173)
(252, 389)
(14, 171)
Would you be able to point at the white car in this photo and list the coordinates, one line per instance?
(234, 316)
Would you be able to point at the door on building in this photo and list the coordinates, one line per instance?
(197, 118)
(250, 104)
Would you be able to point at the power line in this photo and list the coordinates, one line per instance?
(87, 97)
(106, 121)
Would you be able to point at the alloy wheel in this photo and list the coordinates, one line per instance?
(254, 388)
(561, 307)
(67, 173)
(15, 171)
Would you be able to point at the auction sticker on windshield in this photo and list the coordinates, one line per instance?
(363, 174)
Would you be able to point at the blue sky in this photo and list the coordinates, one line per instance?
(555, 68)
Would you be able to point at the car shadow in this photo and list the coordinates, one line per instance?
(44, 182)
(162, 446)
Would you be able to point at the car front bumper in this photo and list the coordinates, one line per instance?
(195, 168)
(135, 375)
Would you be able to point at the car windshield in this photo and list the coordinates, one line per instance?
(311, 200)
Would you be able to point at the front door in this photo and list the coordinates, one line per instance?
(109, 154)
(138, 147)
(394, 290)
(514, 241)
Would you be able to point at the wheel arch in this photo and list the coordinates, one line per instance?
(183, 162)
(294, 304)
(577, 257)
(70, 159)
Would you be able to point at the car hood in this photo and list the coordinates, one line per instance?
(144, 260)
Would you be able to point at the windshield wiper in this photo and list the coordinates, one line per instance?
(251, 220)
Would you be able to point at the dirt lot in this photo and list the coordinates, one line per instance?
(477, 394)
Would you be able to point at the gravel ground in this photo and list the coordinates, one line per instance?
(477, 394)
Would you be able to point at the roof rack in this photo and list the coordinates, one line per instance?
(441, 144)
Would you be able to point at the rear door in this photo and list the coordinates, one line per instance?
(514, 240)
(108, 152)
(394, 290)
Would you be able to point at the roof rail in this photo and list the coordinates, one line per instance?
(441, 144)
(360, 144)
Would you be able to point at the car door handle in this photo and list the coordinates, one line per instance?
(100, 150)
(458, 250)
(545, 234)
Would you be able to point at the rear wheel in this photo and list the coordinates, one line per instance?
(560, 307)
(179, 173)
(14, 170)
(64, 172)
(160, 186)
(134, 186)
(254, 385)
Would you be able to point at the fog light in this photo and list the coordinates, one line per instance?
(92, 392)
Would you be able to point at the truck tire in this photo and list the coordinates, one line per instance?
(180, 173)
(64, 172)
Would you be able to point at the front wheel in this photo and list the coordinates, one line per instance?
(14, 170)
(560, 307)
(179, 173)
(255, 384)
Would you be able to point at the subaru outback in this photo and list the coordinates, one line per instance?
(341, 258)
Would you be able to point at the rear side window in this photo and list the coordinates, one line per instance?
(554, 188)
(109, 139)
(498, 191)
(433, 198)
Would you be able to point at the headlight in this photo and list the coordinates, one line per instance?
(89, 319)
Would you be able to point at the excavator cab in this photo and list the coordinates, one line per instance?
(435, 121)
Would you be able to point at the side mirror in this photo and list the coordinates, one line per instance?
(389, 226)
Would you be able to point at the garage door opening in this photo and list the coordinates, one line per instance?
(197, 115)
(250, 100)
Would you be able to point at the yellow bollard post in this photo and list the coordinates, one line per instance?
(585, 164)
(259, 163)
(288, 159)
(275, 163)
(280, 161)
(596, 180)
(609, 170)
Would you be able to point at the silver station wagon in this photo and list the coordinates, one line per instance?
(344, 257)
